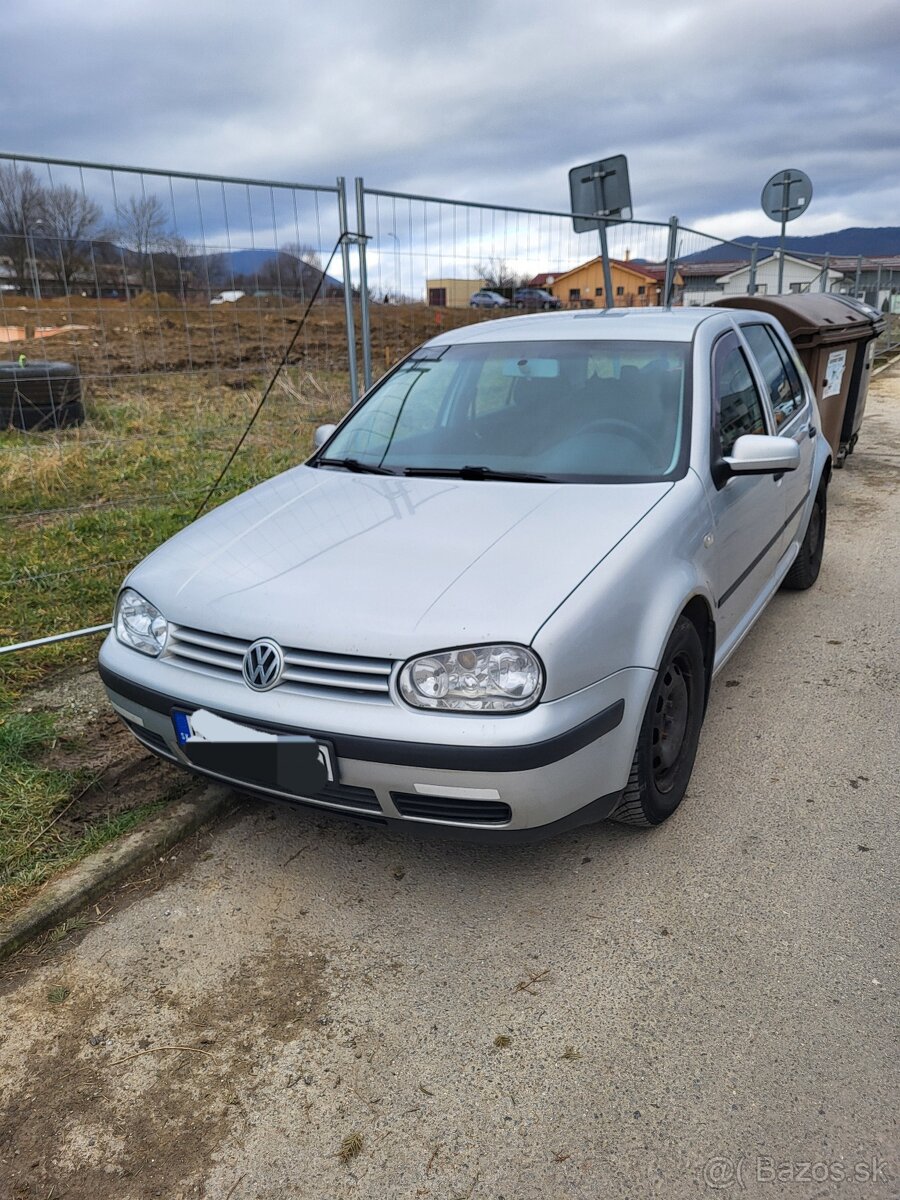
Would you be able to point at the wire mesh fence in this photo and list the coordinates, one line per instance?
(434, 264)
(143, 313)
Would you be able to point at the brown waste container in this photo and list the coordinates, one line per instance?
(835, 338)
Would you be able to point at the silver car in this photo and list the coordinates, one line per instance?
(494, 599)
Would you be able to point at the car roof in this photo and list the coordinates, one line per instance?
(595, 324)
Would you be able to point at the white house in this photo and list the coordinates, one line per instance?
(800, 275)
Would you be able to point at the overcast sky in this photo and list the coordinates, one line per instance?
(491, 100)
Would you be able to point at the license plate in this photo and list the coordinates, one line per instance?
(293, 763)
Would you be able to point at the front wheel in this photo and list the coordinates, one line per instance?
(806, 566)
(670, 731)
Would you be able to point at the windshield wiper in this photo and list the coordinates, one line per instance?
(353, 464)
(477, 473)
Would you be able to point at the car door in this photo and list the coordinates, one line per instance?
(792, 414)
(748, 510)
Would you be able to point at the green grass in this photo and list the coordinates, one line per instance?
(33, 846)
(78, 509)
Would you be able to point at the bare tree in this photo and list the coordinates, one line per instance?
(21, 218)
(498, 276)
(142, 230)
(70, 220)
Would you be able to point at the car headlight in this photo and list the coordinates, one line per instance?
(140, 624)
(474, 679)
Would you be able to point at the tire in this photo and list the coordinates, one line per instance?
(670, 731)
(805, 569)
(40, 396)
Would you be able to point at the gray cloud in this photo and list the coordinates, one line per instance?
(490, 100)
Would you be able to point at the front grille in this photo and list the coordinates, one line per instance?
(306, 672)
(451, 808)
(344, 796)
(154, 741)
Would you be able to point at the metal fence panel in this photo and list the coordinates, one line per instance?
(173, 297)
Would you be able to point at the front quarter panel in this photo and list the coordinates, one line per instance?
(621, 615)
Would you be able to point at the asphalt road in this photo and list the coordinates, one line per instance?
(708, 1008)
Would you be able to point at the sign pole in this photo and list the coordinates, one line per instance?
(785, 196)
(601, 189)
(607, 273)
(781, 253)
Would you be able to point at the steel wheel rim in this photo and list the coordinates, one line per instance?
(671, 713)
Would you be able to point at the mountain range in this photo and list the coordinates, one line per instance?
(874, 243)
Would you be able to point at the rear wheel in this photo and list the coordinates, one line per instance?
(806, 566)
(670, 731)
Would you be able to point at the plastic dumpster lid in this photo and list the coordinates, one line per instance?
(813, 316)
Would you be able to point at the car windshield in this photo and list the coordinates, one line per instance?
(567, 411)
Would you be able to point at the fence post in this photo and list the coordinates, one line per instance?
(671, 252)
(365, 326)
(826, 267)
(348, 290)
(751, 281)
(858, 274)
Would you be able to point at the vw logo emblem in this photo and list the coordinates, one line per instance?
(262, 665)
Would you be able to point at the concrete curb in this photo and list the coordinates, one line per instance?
(884, 366)
(98, 873)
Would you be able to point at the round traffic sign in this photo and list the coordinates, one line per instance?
(786, 195)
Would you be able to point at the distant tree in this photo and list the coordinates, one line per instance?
(142, 229)
(70, 220)
(21, 218)
(499, 277)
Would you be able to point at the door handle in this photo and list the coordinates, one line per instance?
(812, 431)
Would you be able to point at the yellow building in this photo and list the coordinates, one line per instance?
(451, 293)
(634, 285)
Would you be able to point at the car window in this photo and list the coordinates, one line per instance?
(737, 405)
(572, 411)
(780, 374)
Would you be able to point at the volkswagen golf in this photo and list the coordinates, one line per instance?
(493, 600)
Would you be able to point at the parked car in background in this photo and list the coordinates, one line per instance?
(494, 599)
(487, 299)
(529, 297)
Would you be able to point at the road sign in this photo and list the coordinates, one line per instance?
(787, 195)
(600, 188)
(784, 198)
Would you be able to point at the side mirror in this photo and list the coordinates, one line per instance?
(759, 454)
(324, 432)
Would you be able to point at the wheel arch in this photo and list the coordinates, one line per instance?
(699, 613)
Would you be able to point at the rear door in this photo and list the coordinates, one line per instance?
(792, 415)
(748, 510)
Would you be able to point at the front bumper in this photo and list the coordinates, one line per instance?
(520, 777)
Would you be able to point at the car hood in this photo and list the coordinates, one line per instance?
(388, 566)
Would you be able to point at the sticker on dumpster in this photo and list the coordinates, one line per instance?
(834, 372)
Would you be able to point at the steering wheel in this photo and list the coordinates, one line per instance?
(639, 437)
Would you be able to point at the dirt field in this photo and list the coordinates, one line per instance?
(156, 333)
(293, 1008)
